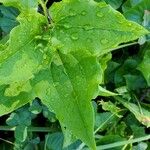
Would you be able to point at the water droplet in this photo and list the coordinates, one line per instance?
(38, 37)
(40, 45)
(44, 56)
(74, 36)
(48, 91)
(99, 14)
(72, 12)
(45, 49)
(83, 13)
(39, 67)
(104, 41)
(120, 21)
(88, 27)
(67, 26)
(129, 24)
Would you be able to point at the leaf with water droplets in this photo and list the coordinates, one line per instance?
(23, 5)
(68, 88)
(59, 62)
(19, 62)
(103, 25)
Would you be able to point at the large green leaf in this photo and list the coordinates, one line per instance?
(20, 59)
(67, 88)
(99, 30)
(59, 63)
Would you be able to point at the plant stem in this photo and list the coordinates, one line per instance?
(30, 129)
(121, 143)
(43, 4)
(9, 142)
(83, 144)
(124, 45)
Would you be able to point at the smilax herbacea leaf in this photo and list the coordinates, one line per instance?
(59, 62)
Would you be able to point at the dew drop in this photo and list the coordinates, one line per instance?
(129, 24)
(39, 37)
(74, 36)
(104, 41)
(120, 21)
(67, 26)
(88, 27)
(44, 56)
(83, 13)
(40, 66)
(99, 14)
(72, 12)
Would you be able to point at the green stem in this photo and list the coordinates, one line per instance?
(43, 4)
(81, 146)
(9, 142)
(103, 123)
(116, 144)
(124, 45)
(30, 129)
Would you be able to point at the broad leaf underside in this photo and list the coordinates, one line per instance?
(60, 63)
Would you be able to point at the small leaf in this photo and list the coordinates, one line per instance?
(142, 114)
(8, 18)
(109, 106)
(21, 133)
(54, 141)
(104, 92)
(134, 9)
(145, 64)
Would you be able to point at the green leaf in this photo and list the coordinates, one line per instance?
(109, 106)
(69, 138)
(22, 116)
(76, 31)
(21, 133)
(141, 146)
(21, 59)
(18, 62)
(142, 114)
(105, 120)
(135, 82)
(54, 141)
(114, 3)
(23, 5)
(8, 18)
(68, 88)
(104, 92)
(145, 64)
(59, 63)
(8, 104)
(134, 9)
